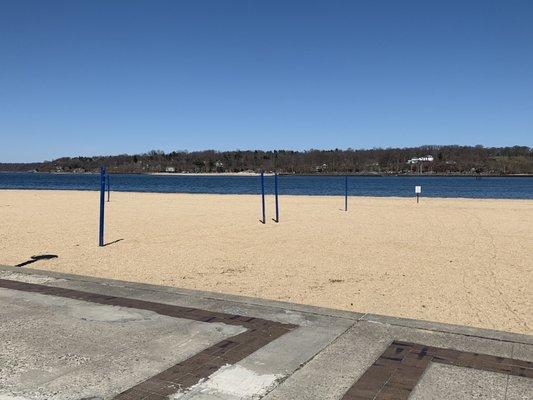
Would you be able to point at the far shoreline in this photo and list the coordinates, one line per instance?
(270, 173)
(291, 195)
(204, 173)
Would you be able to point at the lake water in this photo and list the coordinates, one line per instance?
(486, 187)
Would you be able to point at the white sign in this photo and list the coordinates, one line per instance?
(418, 189)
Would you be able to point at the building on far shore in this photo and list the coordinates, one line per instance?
(170, 169)
(419, 162)
(321, 168)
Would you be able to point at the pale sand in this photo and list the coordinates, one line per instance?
(449, 260)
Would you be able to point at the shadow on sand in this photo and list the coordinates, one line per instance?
(36, 258)
(113, 242)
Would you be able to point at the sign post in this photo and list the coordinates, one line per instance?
(276, 196)
(102, 206)
(346, 193)
(418, 190)
(263, 196)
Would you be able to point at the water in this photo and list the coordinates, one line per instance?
(486, 187)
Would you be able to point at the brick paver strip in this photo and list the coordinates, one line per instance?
(185, 374)
(396, 372)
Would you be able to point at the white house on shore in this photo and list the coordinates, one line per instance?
(418, 164)
(420, 160)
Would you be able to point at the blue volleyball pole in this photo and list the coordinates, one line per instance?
(263, 196)
(102, 207)
(346, 193)
(276, 196)
(108, 188)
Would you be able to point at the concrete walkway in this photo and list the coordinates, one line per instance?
(73, 337)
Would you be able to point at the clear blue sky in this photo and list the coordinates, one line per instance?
(108, 77)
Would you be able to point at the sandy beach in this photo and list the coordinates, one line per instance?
(460, 261)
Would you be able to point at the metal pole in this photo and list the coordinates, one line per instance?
(263, 196)
(346, 193)
(108, 188)
(276, 196)
(102, 207)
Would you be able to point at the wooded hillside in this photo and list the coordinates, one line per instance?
(446, 160)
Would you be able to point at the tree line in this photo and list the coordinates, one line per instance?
(446, 160)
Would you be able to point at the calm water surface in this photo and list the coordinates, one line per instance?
(486, 187)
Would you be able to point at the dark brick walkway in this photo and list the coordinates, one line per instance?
(397, 371)
(259, 333)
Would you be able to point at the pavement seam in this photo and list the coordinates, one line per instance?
(448, 332)
(203, 296)
(390, 320)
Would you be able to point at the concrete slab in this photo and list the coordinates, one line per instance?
(64, 348)
(456, 383)
(72, 337)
